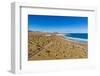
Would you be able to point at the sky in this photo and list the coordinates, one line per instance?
(61, 24)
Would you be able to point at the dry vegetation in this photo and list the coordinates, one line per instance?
(41, 47)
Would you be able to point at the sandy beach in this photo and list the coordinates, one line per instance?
(50, 46)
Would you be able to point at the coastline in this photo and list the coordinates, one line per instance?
(73, 39)
(76, 39)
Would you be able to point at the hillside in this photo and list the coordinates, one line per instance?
(43, 47)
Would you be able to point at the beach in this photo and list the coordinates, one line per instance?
(51, 46)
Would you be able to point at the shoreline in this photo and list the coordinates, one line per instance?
(73, 38)
(83, 41)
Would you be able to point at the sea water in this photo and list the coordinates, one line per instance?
(82, 37)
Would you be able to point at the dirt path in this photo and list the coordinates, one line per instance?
(41, 49)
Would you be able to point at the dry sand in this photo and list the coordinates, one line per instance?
(41, 47)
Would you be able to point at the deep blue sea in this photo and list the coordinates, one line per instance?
(83, 37)
(78, 35)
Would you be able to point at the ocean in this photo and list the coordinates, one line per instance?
(82, 37)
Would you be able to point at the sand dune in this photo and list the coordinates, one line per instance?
(42, 47)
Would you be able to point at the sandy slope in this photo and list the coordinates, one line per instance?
(41, 47)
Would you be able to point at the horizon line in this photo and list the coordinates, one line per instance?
(56, 32)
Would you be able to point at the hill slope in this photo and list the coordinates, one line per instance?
(41, 47)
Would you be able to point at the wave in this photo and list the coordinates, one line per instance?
(79, 37)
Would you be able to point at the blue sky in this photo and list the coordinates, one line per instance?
(61, 24)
